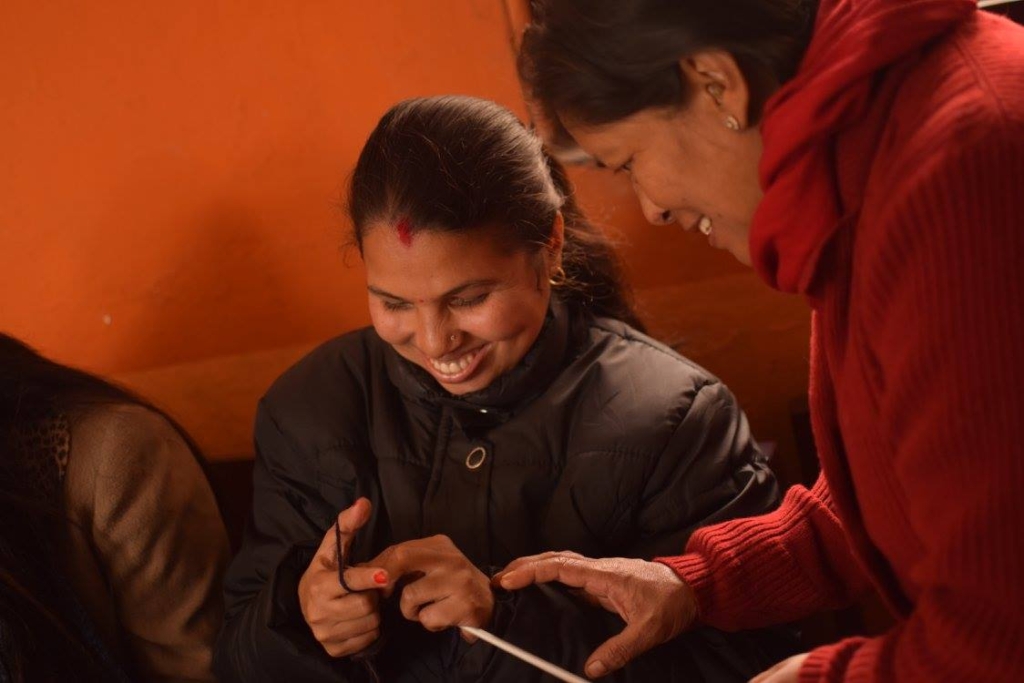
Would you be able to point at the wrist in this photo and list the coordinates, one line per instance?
(677, 596)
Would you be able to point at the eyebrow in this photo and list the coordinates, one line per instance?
(451, 292)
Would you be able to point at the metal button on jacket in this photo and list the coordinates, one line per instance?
(476, 458)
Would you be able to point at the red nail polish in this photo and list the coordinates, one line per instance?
(380, 577)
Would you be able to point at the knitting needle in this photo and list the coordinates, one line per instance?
(558, 672)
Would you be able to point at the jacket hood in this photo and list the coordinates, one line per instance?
(853, 42)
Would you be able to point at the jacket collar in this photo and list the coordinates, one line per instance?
(503, 397)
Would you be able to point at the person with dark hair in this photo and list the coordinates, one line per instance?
(111, 545)
(867, 155)
(503, 403)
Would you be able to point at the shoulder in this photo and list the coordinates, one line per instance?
(966, 91)
(637, 388)
(943, 188)
(622, 351)
(328, 386)
(124, 434)
(117, 447)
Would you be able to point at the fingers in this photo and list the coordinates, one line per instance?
(437, 603)
(364, 578)
(530, 559)
(618, 650)
(337, 622)
(437, 616)
(420, 593)
(572, 570)
(786, 671)
(443, 600)
(365, 634)
(334, 609)
(415, 557)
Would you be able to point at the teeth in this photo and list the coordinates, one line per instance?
(453, 367)
(704, 225)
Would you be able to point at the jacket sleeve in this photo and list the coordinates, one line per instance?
(710, 470)
(264, 636)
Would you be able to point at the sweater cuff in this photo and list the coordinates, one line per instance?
(830, 662)
(695, 571)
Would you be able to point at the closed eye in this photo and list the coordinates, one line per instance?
(391, 305)
(460, 302)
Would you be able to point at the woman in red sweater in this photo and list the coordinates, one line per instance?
(868, 155)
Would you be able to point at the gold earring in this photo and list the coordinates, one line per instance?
(732, 123)
(558, 278)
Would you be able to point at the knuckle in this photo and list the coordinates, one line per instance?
(444, 540)
(563, 560)
(364, 603)
(432, 622)
(618, 654)
(408, 608)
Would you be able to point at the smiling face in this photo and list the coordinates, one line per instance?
(685, 163)
(456, 304)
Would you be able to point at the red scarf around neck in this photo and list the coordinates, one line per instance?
(852, 41)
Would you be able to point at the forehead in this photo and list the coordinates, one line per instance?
(429, 262)
(634, 129)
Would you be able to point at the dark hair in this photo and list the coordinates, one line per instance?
(458, 164)
(599, 61)
(46, 634)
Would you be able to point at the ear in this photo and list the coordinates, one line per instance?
(718, 81)
(555, 243)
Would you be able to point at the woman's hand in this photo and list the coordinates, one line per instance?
(446, 589)
(786, 671)
(343, 623)
(653, 601)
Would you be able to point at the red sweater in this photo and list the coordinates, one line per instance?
(894, 201)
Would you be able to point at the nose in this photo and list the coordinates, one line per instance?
(433, 334)
(655, 215)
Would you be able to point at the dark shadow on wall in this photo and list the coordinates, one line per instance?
(231, 481)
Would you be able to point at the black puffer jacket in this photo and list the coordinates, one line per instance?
(600, 441)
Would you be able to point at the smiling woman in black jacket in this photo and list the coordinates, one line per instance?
(504, 403)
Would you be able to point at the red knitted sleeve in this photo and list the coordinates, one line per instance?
(774, 568)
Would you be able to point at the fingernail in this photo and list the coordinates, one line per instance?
(380, 577)
(596, 669)
(505, 582)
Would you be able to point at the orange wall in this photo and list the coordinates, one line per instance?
(169, 188)
(174, 168)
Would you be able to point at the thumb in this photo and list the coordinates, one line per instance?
(355, 516)
(349, 520)
(617, 651)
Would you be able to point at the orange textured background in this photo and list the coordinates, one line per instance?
(170, 188)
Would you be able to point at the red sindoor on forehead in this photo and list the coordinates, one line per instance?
(404, 228)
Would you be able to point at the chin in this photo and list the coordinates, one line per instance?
(466, 387)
